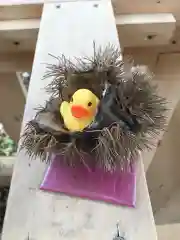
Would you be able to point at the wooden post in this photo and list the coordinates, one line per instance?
(163, 174)
(69, 28)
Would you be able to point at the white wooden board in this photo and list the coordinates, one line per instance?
(33, 214)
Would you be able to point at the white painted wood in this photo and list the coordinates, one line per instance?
(70, 30)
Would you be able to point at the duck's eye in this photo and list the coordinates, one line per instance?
(89, 104)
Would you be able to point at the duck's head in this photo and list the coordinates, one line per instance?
(84, 104)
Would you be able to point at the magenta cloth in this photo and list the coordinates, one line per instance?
(117, 188)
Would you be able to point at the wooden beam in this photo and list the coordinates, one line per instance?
(163, 173)
(134, 30)
(145, 18)
(146, 6)
(12, 62)
(6, 170)
(168, 231)
(21, 24)
(6, 166)
(12, 102)
(23, 11)
(24, 2)
(120, 6)
(20, 80)
(18, 35)
(122, 20)
(145, 29)
(51, 215)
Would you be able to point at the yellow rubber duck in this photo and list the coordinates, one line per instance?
(80, 112)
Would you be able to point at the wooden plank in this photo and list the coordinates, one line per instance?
(22, 11)
(18, 41)
(18, 35)
(168, 231)
(19, 9)
(23, 24)
(145, 29)
(6, 166)
(146, 6)
(121, 6)
(134, 30)
(165, 162)
(12, 104)
(21, 35)
(12, 62)
(20, 80)
(25, 2)
(57, 216)
(162, 163)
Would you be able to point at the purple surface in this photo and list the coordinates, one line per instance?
(117, 188)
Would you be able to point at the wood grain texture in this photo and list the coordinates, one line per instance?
(46, 215)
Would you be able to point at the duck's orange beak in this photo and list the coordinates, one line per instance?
(79, 112)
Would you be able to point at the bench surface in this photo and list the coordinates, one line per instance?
(35, 215)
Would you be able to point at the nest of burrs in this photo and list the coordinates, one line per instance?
(130, 116)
